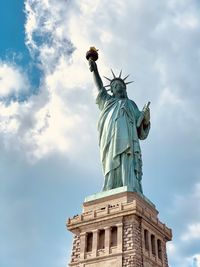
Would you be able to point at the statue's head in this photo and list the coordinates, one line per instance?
(118, 88)
(118, 85)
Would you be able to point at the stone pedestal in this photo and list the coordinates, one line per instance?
(118, 229)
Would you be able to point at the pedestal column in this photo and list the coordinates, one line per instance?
(107, 240)
(82, 245)
(95, 243)
(119, 236)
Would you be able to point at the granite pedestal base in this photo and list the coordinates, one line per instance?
(120, 229)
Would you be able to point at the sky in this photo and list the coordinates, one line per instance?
(49, 157)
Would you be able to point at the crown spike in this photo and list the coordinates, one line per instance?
(120, 74)
(125, 77)
(107, 85)
(113, 74)
(129, 82)
(107, 78)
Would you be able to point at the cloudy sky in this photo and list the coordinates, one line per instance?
(49, 158)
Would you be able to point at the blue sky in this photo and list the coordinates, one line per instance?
(49, 158)
(13, 33)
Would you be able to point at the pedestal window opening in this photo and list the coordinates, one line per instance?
(153, 245)
(146, 239)
(89, 240)
(159, 246)
(113, 236)
(101, 239)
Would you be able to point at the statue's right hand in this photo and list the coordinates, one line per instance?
(92, 65)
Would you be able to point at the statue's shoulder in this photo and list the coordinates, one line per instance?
(103, 98)
(104, 94)
(133, 104)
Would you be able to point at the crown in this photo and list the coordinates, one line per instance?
(117, 78)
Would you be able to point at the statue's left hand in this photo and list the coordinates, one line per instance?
(147, 116)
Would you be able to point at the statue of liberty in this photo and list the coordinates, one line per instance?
(121, 124)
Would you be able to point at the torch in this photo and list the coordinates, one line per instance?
(92, 54)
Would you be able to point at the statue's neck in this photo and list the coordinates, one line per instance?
(120, 97)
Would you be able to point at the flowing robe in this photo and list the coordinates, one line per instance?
(119, 142)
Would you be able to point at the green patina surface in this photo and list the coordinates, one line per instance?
(121, 125)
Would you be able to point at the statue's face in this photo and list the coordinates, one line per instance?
(118, 88)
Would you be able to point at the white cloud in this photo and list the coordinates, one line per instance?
(12, 80)
(9, 123)
(171, 248)
(49, 121)
(196, 260)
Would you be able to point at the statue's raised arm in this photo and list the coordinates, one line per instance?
(92, 56)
